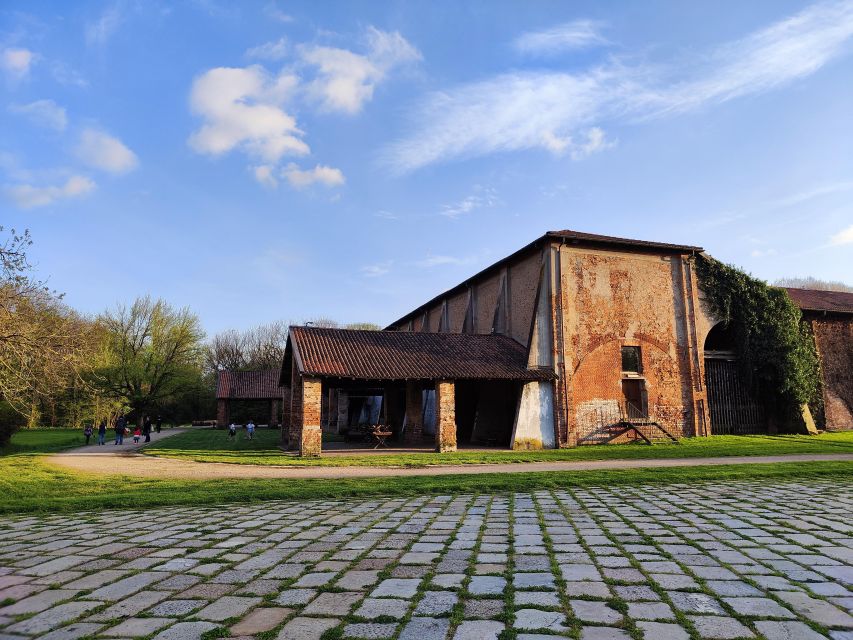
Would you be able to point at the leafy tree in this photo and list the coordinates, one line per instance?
(152, 353)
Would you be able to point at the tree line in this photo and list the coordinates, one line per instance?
(64, 369)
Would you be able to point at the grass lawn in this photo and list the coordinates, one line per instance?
(209, 445)
(29, 485)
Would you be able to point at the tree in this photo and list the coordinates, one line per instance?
(152, 353)
(44, 345)
(809, 282)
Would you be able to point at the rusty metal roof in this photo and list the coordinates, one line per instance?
(400, 355)
(247, 385)
(594, 238)
(814, 300)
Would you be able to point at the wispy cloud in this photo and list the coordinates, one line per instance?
(346, 80)
(483, 197)
(386, 215)
(16, 62)
(322, 175)
(44, 113)
(270, 50)
(376, 270)
(806, 195)
(272, 11)
(553, 111)
(843, 237)
(27, 196)
(762, 253)
(99, 31)
(100, 150)
(442, 260)
(577, 34)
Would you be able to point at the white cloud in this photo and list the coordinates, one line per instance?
(843, 237)
(16, 63)
(347, 80)
(269, 50)
(577, 34)
(594, 141)
(102, 29)
(102, 151)
(28, 196)
(272, 11)
(326, 176)
(45, 113)
(376, 270)
(264, 174)
(439, 260)
(546, 110)
(483, 197)
(242, 109)
(762, 253)
(386, 215)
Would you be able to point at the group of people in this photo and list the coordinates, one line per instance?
(122, 428)
(250, 430)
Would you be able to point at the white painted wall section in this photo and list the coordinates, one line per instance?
(534, 424)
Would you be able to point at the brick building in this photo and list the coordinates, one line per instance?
(254, 389)
(618, 325)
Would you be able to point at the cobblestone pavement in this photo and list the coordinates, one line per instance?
(738, 560)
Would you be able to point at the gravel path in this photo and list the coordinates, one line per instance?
(757, 560)
(136, 464)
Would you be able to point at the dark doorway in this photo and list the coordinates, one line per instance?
(635, 403)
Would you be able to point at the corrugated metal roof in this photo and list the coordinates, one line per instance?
(248, 385)
(568, 234)
(400, 355)
(814, 300)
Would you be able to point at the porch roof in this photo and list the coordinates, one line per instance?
(247, 385)
(399, 355)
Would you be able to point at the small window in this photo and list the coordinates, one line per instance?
(631, 361)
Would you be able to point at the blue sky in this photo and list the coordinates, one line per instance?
(260, 160)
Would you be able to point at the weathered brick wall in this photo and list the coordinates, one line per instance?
(445, 416)
(311, 433)
(221, 413)
(834, 339)
(414, 407)
(614, 299)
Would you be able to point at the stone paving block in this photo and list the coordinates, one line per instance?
(719, 628)
(260, 620)
(333, 604)
(577, 572)
(479, 608)
(534, 619)
(227, 607)
(296, 596)
(662, 631)
(378, 607)
(52, 618)
(357, 579)
(816, 610)
(536, 580)
(137, 627)
(448, 580)
(425, 629)
(486, 585)
(369, 630)
(186, 631)
(396, 588)
(38, 602)
(591, 611)
(650, 611)
(436, 603)
(732, 588)
(695, 602)
(176, 608)
(208, 591)
(603, 633)
(478, 630)
(537, 599)
(317, 579)
(785, 630)
(72, 631)
(758, 608)
(127, 586)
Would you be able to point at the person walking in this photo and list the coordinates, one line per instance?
(250, 429)
(102, 431)
(88, 433)
(232, 431)
(159, 423)
(146, 428)
(121, 427)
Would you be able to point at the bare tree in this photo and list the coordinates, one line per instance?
(808, 282)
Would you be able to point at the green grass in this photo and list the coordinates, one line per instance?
(211, 445)
(44, 441)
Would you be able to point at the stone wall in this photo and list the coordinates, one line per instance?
(834, 339)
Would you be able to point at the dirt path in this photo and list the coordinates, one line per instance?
(109, 447)
(135, 464)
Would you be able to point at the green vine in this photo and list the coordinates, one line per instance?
(775, 348)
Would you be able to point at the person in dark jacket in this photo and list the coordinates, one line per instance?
(102, 431)
(158, 423)
(87, 432)
(121, 427)
(146, 428)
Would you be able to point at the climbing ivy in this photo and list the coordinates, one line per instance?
(775, 348)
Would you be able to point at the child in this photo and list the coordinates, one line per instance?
(88, 432)
(250, 429)
(136, 434)
(232, 431)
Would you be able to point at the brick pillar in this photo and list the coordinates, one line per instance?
(331, 420)
(294, 427)
(311, 434)
(445, 416)
(275, 405)
(285, 417)
(221, 413)
(414, 413)
(343, 410)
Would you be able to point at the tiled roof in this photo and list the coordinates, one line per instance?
(568, 234)
(814, 300)
(399, 355)
(248, 385)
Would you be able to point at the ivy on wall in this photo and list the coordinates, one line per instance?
(776, 349)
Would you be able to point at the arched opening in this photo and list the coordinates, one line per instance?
(733, 407)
